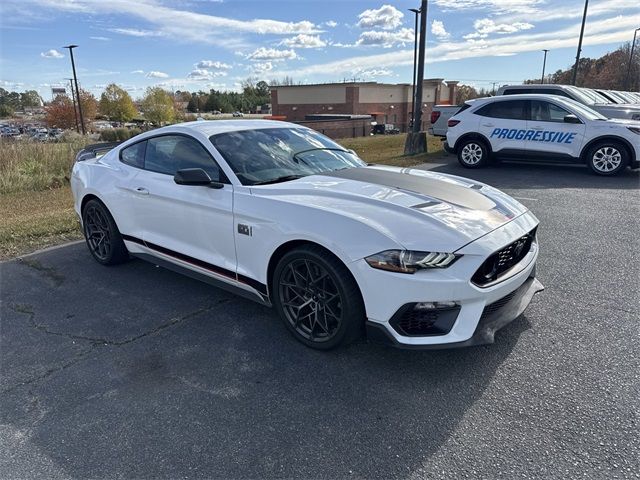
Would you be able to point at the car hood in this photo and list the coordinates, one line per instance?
(419, 210)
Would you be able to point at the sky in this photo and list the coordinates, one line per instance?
(203, 44)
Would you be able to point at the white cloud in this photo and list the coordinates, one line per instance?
(386, 17)
(101, 39)
(437, 28)
(156, 74)
(261, 68)
(201, 74)
(134, 32)
(486, 26)
(212, 64)
(137, 71)
(331, 24)
(386, 39)
(494, 6)
(53, 53)
(263, 53)
(600, 32)
(304, 41)
(183, 25)
(380, 72)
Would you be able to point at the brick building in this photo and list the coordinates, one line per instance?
(386, 103)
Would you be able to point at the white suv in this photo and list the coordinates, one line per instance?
(545, 128)
(585, 96)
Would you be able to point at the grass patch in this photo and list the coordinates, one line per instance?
(34, 166)
(33, 220)
(389, 149)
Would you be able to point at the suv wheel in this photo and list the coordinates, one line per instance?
(473, 153)
(607, 158)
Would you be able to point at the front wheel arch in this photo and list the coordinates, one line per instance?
(608, 138)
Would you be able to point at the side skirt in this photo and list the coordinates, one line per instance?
(203, 278)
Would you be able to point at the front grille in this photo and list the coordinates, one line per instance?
(500, 262)
(411, 322)
(497, 305)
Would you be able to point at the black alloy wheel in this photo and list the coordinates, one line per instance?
(101, 233)
(318, 298)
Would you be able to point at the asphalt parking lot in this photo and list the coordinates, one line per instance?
(137, 372)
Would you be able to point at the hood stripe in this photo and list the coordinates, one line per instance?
(439, 189)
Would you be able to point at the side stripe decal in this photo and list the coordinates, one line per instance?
(260, 287)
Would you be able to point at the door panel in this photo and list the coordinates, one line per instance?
(504, 124)
(547, 132)
(195, 221)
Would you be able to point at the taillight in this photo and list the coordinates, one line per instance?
(452, 123)
(435, 115)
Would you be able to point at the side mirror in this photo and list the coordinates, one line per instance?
(195, 177)
(571, 118)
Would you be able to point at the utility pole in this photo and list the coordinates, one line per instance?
(493, 88)
(416, 140)
(415, 11)
(75, 80)
(633, 44)
(584, 19)
(73, 97)
(544, 64)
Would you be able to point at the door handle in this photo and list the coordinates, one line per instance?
(142, 191)
(488, 125)
(537, 127)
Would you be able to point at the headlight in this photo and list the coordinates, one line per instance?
(404, 261)
(635, 129)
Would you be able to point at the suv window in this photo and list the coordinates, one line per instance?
(517, 91)
(511, 109)
(547, 112)
(134, 155)
(169, 153)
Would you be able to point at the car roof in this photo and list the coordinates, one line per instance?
(520, 96)
(539, 85)
(213, 127)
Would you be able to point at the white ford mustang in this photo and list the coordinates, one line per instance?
(287, 217)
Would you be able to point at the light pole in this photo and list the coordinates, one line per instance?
(415, 11)
(633, 44)
(75, 80)
(73, 97)
(544, 64)
(417, 115)
(584, 19)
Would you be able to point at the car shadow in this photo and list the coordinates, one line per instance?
(189, 381)
(517, 175)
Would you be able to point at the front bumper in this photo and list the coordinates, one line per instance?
(493, 318)
(387, 293)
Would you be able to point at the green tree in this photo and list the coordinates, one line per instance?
(116, 104)
(157, 106)
(30, 98)
(6, 111)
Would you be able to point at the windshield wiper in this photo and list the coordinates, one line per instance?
(283, 178)
(330, 149)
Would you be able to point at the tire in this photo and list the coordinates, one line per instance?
(102, 235)
(317, 298)
(607, 158)
(473, 153)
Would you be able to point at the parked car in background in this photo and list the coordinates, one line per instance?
(384, 129)
(238, 114)
(587, 97)
(440, 115)
(544, 128)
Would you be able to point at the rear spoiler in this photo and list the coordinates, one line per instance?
(95, 150)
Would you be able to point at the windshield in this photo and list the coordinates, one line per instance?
(271, 155)
(597, 97)
(582, 96)
(582, 110)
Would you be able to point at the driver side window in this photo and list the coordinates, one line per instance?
(169, 153)
(547, 112)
